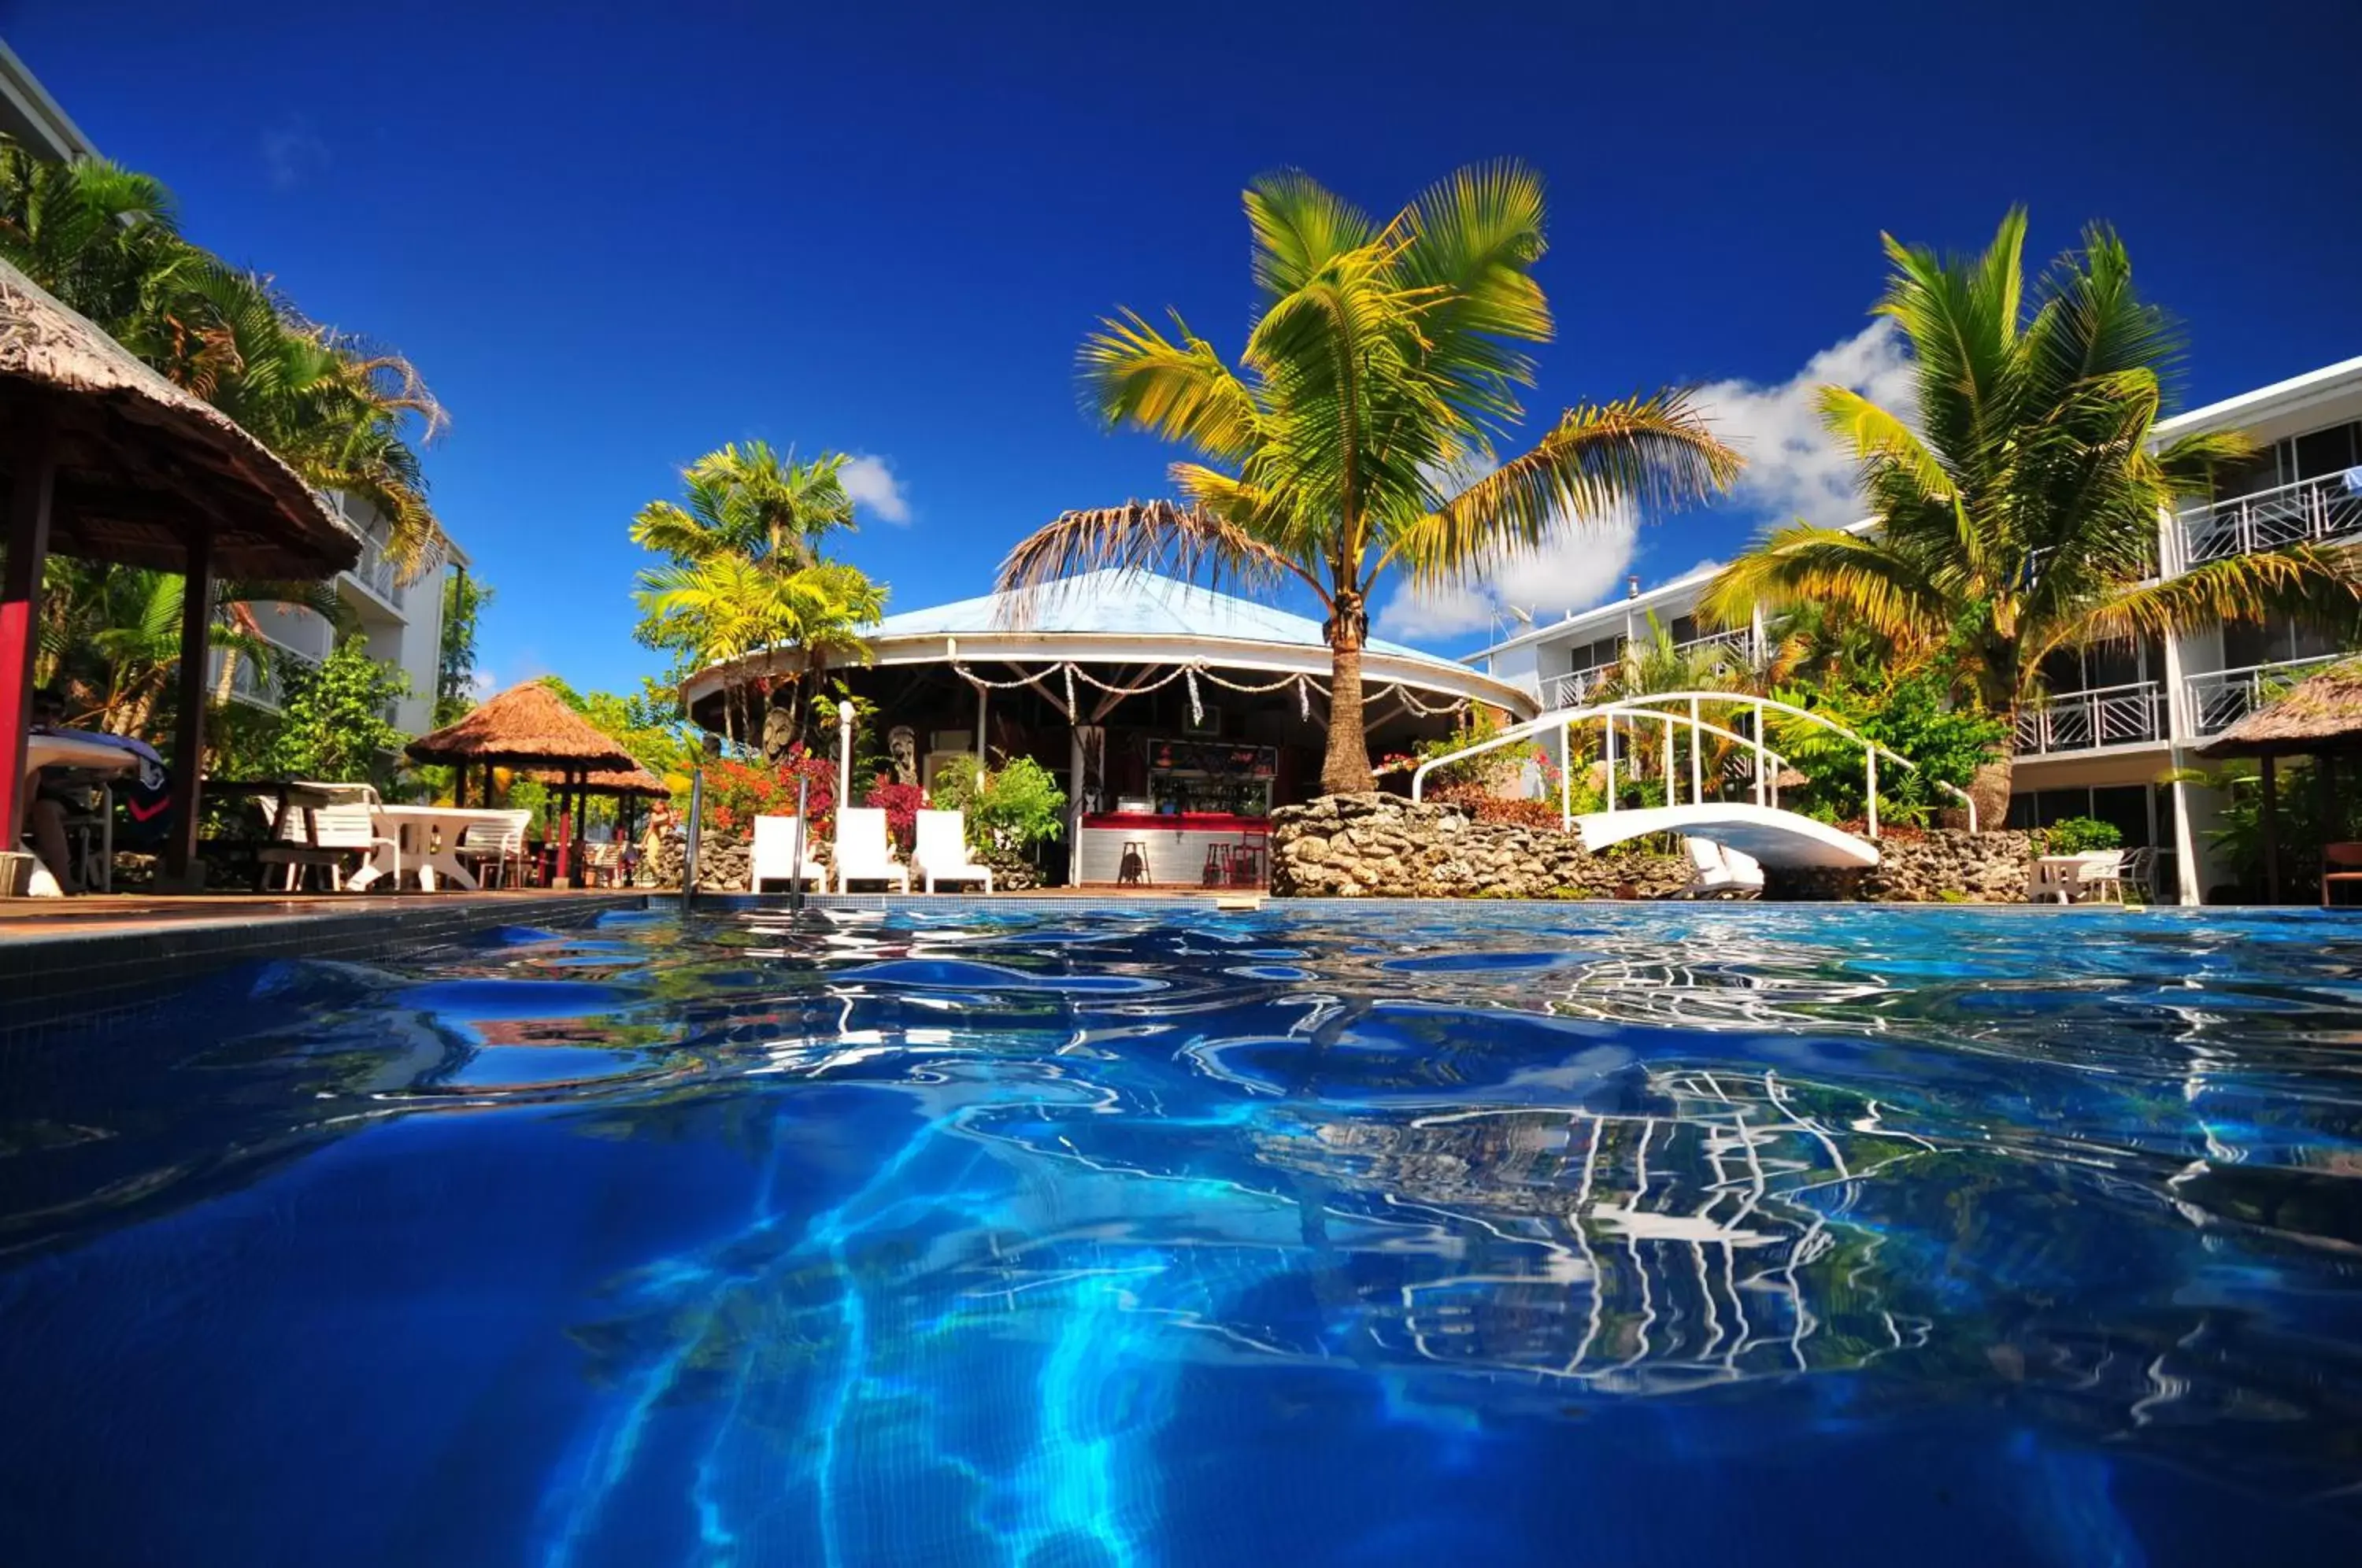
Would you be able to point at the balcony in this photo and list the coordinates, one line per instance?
(378, 574)
(254, 679)
(1578, 686)
(2221, 698)
(2307, 511)
(2084, 721)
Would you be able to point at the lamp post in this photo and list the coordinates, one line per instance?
(844, 752)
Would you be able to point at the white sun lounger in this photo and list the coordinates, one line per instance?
(941, 853)
(1721, 872)
(863, 852)
(774, 857)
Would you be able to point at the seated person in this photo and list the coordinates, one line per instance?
(57, 796)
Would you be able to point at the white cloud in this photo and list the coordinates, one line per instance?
(871, 483)
(1577, 569)
(293, 153)
(1795, 468)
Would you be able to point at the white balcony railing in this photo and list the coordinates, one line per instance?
(2080, 721)
(255, 677)
(1578, 686)
(2221, 698)
(2307, 511)
(377, 573)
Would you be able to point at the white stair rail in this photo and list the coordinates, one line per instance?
(1636, 709)
(1566, 721)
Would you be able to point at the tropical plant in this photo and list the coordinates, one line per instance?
(738, 792)
(465, 595)
(333, 723)
(1012, 807)
(744, 573)
(1358, 435)
(2076, 835)
(1947, 743)
(345, 415)
(724, 607)
(901, 804)
(1656, 663)
(751, 501)
(2020, 512)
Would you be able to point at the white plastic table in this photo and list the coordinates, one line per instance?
(429, 837)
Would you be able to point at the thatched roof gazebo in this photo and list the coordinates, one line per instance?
(106, 461)
(528, 727)
(2320, 717)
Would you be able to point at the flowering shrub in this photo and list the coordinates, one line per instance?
(738, 792)
(901, 804)
(1486, 807)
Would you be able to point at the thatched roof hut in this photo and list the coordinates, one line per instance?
(526, 726)
(2318, 716)
(142, 466)
(617, 782)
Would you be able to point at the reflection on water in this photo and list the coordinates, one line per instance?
(1072, 1237)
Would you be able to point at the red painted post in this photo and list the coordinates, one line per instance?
(20, 589)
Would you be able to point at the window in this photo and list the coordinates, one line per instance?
(2330, 451)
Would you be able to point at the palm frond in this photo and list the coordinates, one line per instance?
(1133, 374)
(1143, 536)
(1862, 576)
(2307, 583)
(1300, 227)
(1642, 452)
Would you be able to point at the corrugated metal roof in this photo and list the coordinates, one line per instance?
(1123, 603)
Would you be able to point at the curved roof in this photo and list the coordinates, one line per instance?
(1123, 603)
(1130, 617)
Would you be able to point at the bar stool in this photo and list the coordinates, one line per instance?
(1217, 864)
(1246, 864)
(1132, 868)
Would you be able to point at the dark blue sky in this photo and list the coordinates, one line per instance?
(616, 236)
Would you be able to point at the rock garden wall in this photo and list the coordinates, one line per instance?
(1383, 847)
(1941, 866)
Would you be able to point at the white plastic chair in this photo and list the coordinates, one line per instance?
(496, 845)
(1720, 872)
(774, 858)
(864, 854)
(348, 826)
(940, 853)
(2101, 874)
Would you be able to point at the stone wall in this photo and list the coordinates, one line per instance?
(1944, 865)
(1384, 847)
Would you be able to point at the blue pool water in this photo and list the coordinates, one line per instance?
(1056, 1238)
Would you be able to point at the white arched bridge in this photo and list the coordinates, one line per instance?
(1758, 827)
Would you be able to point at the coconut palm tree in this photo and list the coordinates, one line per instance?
(2020, 512)
(1358, 436)
(752, 501)
(726, 606)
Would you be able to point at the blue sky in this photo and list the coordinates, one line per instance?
(616, 236)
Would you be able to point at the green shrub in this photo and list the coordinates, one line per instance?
(1017, 804)
(2076, 835)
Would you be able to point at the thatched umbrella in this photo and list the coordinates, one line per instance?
(527, 727)
(2319, 717)
(625, 784)
(107, 460)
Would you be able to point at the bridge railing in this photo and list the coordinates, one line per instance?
(1676, 712)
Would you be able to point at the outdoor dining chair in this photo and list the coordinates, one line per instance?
(491, 848)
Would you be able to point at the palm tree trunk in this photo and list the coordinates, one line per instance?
(1990, 785)
(1346, 770)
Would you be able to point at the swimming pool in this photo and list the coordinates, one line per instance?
(1061, 1237)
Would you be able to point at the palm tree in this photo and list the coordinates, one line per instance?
(2021, 513)
(752, 502)
(1358, 435)
(726, 606)
(346, 416)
